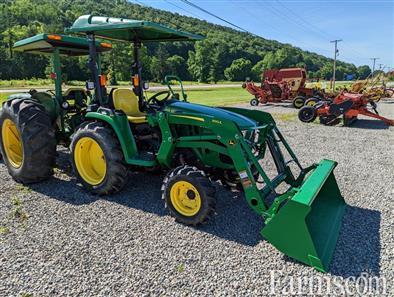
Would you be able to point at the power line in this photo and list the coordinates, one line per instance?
(306, 24)
(139, 2)
(310, 27)
(168, 21)
(214, 15)
(281, 33)
(254, 16)
(181, 8)
(273, 9)
(206, 11)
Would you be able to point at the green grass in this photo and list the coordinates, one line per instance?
(3, 97)
(212, 97)
(4, 230)
(219, 96)
(6, 84)
(38, 82)
(181, 268)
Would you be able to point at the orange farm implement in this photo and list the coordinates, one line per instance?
(268, 92)
(346, 104)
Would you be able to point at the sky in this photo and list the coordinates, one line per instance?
(365, 26)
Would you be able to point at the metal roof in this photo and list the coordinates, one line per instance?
(129, 30)
(67, 45)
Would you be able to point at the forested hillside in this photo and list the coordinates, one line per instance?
(225, 54)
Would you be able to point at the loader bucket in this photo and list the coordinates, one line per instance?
(306, 228)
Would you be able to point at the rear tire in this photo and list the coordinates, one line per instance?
(27, 141)
(254, 102)
(189, 195)
(97, 159)
(307, 114)
(298, 102)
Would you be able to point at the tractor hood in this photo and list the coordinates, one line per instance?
(191, 109)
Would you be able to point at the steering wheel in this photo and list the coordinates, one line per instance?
(155, 98)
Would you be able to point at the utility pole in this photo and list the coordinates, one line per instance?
(373, 65)
(335, 61)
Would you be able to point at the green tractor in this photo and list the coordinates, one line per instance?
(302, 207)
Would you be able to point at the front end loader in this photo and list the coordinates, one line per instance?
(302, 208)
(303, 220)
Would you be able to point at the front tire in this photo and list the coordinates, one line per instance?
(254, 102)
(307, 114)
(97, 159)
(189, 195)
(27, 141)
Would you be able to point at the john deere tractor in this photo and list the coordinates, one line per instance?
(302, 207)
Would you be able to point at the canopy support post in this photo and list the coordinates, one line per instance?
(94, 68)
(58, 75)
(137, 75)
(57, 70)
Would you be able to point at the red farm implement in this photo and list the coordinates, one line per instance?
(346, 104)
(296, 79)
(268, 92)
(291, 80)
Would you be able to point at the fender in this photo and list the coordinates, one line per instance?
(120, 125)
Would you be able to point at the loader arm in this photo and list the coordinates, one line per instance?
(303, 221)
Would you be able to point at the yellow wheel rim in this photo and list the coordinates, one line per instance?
(185, 198)
(90, 161)
(311, 103)
(12, 143)
(299, 102)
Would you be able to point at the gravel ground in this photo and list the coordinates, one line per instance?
(56, 240)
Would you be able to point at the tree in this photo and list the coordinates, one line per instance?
(269, 61)
(326, 71)
(238, 70)
(286, 57)
(363, 72)
(159, 66)
(340, 73)
(200, 61)
(176, 66)
(257, 70)
(218, 65)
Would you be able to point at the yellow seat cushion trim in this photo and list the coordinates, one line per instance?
(136, 120)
